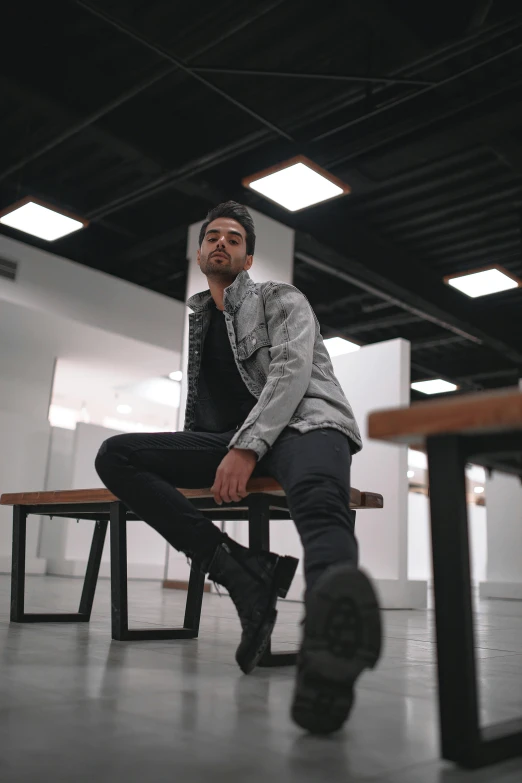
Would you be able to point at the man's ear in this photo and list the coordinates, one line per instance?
(199, 257)
(248, 263)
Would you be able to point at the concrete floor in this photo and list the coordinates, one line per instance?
(75, 706)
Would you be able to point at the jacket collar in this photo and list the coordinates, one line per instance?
(233, 296)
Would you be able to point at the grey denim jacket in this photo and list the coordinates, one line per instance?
(281, 357)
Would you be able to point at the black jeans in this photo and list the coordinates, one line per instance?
(313, 468)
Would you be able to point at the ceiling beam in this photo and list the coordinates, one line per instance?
(480, 14)
(165, 54)
(440, 342)
(388, 322)
(381, 269)
(74, 126)
(410, 96)
(435, 58)
(333, 306)
(384, 23)
(333, 263)
(92, 132)
(331, 77)
(197, 166)
(509, 151)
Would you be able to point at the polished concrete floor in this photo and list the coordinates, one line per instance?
(75, 706)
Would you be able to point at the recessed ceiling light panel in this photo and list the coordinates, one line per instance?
(481, 282)
(40, 220)
(436, 386)
(296, 184)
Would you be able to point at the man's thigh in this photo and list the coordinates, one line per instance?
(187, 459)
(295, 457)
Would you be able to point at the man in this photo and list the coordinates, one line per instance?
(263, 400)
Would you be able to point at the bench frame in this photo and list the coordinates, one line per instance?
(18, 613)
(258, 508)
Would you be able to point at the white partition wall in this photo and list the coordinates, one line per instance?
(26, 376)
(378, 376)
(419, 539)
(55, 308)
(68, 549)
(23, 458)
(504, 531)
(273, 260)
(49, 284)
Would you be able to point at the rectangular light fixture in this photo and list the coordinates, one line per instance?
(337, 346)
(41, 220)
(481, 282)
(436, 386)
(296, 184)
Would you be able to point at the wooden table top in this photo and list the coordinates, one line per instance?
(467, 414)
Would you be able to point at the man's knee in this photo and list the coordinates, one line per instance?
(111, 449)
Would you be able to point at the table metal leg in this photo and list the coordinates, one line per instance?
(462, 739)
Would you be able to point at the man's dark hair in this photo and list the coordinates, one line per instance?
(235, 211)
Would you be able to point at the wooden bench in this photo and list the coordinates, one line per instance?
(266, 501)
(486, 429)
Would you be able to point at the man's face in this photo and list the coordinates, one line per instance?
(223, 254)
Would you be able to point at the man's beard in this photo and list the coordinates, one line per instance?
(218, 271)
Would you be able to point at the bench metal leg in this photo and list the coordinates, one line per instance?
(196, 588)
(462, 739)
(18, 614)
(119, 593)
(259, 539)
(93, 567)
(18, 565)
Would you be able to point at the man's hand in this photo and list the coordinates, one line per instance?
(232, 475)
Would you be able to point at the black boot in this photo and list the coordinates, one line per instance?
(254, 582)
(342, 637)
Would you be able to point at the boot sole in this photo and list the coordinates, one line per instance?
(342, 637)
(284, 572)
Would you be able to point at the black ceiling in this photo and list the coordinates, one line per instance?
(142, 114)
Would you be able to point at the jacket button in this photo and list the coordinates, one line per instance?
(254, 341)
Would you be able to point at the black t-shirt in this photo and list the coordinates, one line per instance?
(223, 401)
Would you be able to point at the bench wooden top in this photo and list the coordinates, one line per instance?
(468, 414)
(357, 499)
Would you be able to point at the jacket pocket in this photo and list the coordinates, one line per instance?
(257, 339)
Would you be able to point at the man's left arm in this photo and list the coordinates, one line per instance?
(292, 330)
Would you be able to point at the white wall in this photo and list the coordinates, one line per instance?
(53, 532)
(26, 373)
(419, 539)
(145, 548)
(504, 569)
(375, 377)
(57, 308)
(48, 283)
(23, 457)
